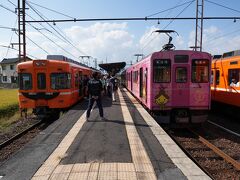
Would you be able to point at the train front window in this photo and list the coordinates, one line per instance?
(200, 71)
(25, 81)
(41, 81)
(161, 71)
(181, 74)
(60, 81)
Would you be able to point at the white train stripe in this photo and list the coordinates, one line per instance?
(232, 90)
(67, 93)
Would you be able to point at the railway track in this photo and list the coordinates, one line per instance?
(208, 151)
(19, 135)
(13, 144)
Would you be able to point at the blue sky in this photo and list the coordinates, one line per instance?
(120, 40)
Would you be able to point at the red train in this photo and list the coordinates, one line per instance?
(175, 84)
(49, 86)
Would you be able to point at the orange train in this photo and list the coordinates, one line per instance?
(225, 78)
(49, 86)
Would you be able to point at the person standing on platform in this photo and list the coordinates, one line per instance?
(108, 86)
(113, 82)
(95, 92)
(85, 81)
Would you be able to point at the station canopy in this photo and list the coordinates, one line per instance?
(113, 68)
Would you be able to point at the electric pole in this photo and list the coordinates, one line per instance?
(95, 62)
(199, 24)
(21, 30)
(138, 56)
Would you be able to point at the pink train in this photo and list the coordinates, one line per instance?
(174, 84)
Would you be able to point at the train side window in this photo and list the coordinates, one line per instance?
(217, 77)
(233, 77)
(25, 81)
(41, 81)
(181, 74)
(200, 71)
(162, 70)
(135, 76)
(60, 81)
(212, 76)
(77, 79)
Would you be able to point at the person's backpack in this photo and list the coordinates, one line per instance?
(95, 87)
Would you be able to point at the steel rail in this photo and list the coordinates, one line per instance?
(235, 163)
(187, 153)
(17, 136)
(225, 129)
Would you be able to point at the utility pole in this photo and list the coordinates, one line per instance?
(95, 62)
(138, 56)
(199, 24)
(21, 30)
(88, 57)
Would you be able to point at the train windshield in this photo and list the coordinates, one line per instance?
(161, 70)
(25, 81)
(60, 81)
(200, 71)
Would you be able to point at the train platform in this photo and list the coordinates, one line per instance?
(129, 144)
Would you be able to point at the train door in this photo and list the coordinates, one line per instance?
(40, 85)
(40, 74)
(145, 84)
(80, 83)
(131, 81)
(141, 82)
(180, 85)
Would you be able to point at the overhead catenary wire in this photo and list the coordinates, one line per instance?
(223, 6)
(63, 37)
(4, 46)
(168, 24)
(4, 7)
(168, 9)
(13, 29)
(50, 9)
(132, 19)
(46, 36)
(209, 42)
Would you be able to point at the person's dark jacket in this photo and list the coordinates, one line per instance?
(95, 87)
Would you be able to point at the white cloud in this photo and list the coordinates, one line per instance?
(216, 41)
(101, 40)
(113, 41)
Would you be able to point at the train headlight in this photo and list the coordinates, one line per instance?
(40, 63)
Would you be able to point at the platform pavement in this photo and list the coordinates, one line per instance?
(128, 145)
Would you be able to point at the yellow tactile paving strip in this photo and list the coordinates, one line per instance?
(141, 168)
(188, 168)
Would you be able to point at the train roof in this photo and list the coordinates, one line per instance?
(226, 56)
(56, 61)
(231, 53)
(172, 51)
